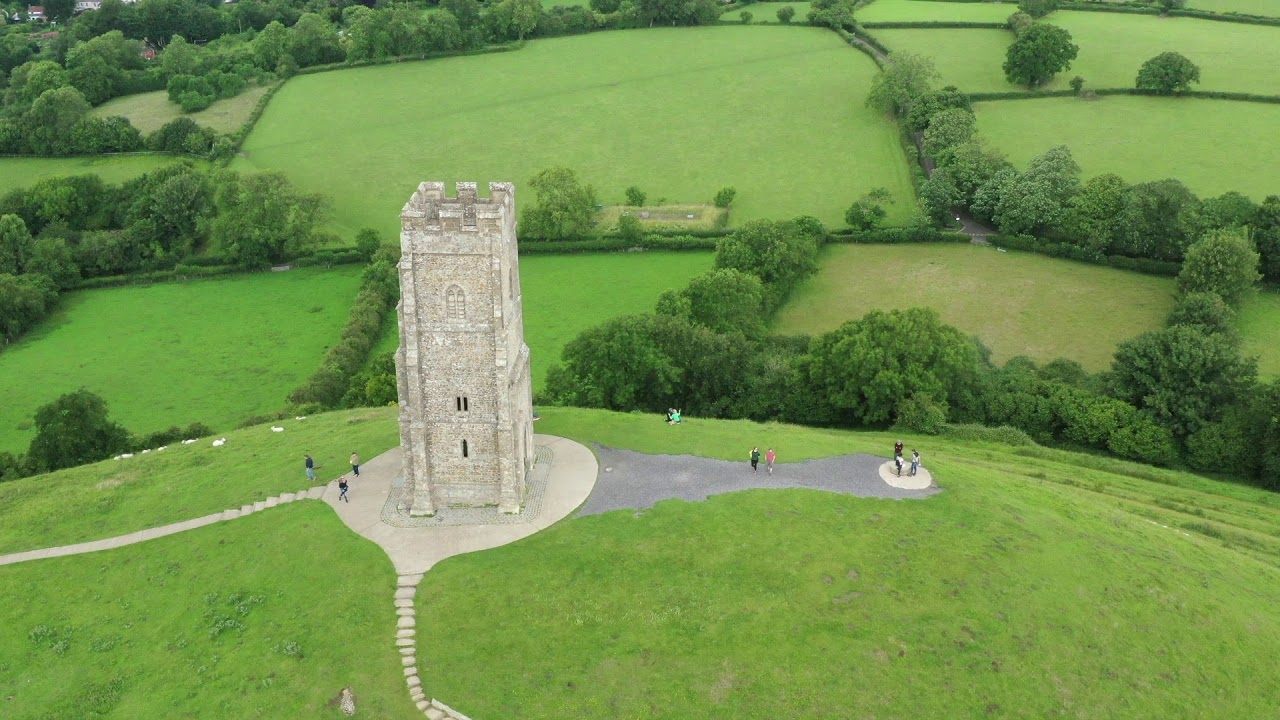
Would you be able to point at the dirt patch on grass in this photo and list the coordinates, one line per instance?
(117, 480)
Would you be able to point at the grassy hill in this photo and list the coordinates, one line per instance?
(680, 112)
(19, 172)
(1039, 583)
(150, 111)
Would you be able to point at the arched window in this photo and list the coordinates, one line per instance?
(464, 449)
(455, 303)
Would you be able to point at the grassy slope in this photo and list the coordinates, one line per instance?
(149, 111)
(1259, 323)
(678, 112)
(215, 351)
(1034, 586)
(138, 623)
(923, 10)
(1131, 136)
(21, 172)
(566, 294)
(1232, 57)
(116, 497)
(1001, 297)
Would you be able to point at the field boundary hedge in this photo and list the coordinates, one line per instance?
(208, 267)
(935, 24)
(1199, 94)
(1136, 9)
(1066, 251)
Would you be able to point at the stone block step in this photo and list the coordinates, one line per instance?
(260, 505)
(405, 611)
(230, 514)
(404, 602)
(406, 593)
(410, 580)
(288, 498)
(247, 509)
(403, 642)
(272, 502)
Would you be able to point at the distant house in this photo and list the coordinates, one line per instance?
(84, 5)
(148, 52)
(35, 13)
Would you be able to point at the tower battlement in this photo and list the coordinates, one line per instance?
(430, 209)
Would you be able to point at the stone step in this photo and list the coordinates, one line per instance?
(423, 705)
(410, 580)
(301, 495)
(434, 713)
(405, 611)
(246, 510)
(260, 505)
(405, 633)
(404, 602)
(411, 671)
(413, 681)
(272, 502)
(410, 650)
(448, 711)
(408, 661)
(230, 514)
(417, 694)
(316, 492)
(406, 593)
(406, 621)
(288, 498)
(403, 642)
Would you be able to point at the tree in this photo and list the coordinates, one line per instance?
(50, 256)
(367, 242)
(616, 366)
(74, 430)
(94, 135)
(1229, 210)
(1077, 84)
(24, 301)
(565, 208)
(927, 105)
(1266, 235)
(1204, 310)
(467, 13)
(1095, 217)
(779, 253)
(59, 10)
(905, 78)
(49, 121)
(1172, 4)
(180, 58)
(271, 44)
(1182, 376)
(263, 219)
(745, 17)
(1019, 22)
(14, 51)
(1222, 262)
(868, 366)
(1168, 73)
(1037, 8)
(836, 14)
(313, 40)
(947, 129)
(972, 164)
(938, 194)
(1037, 199)
(630, 228)
(868, 211)
(1159, 221)
(724, 300)
(15, 244)
(31, 80)
(635, 196)
(1038, 54)
(785, 14)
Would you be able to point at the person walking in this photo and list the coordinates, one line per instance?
(355, 464)
(769, 457)
(311, 468)
(342, 488)
(897, 463)
(755, 458)
(915, 461)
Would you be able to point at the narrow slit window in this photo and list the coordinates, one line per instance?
(466, 406)
(458, 400)
(464, 449)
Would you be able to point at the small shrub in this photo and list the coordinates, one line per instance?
(1077, 84)
(636, 196)
(785, 14)
(1002, 434)
(745, 17)
(630, 229)
(923, 413)
(725, 197)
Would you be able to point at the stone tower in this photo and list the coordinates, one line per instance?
(466, 408)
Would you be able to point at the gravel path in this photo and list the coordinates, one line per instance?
(635, 480)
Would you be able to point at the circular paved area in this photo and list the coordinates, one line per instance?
(635, 480)
(889, 473)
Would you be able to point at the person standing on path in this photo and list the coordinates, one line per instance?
(769, 457)
(897, 448)
(897, 463)
(342, 488)
(311, 467)
(755, 458)
(355, 464)
(915, 461)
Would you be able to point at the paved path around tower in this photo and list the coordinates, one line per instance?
(635, 480)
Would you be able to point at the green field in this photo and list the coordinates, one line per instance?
(767, 12)
(214, 351)
(1132, 137)
(566, 294)
(1259, 323)
(1038, 584)
(681, 113)
(21, 172)
(1266, 8)
(1017, 303)
(1232, 57)
(303, 603)
(928, 11)
(149, 111)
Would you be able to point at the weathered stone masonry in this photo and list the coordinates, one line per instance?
(466, 407)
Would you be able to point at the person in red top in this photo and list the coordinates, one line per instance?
(769, 457)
